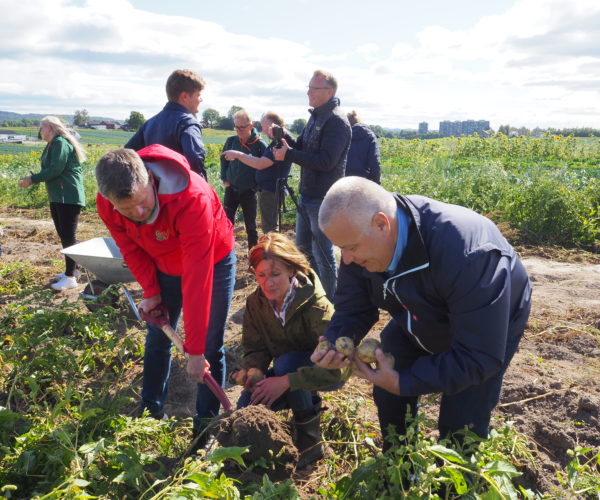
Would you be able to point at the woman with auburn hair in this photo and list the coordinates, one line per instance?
(283, 320)
(61, 171)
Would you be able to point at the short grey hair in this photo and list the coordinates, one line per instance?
(358, 198)
(330, 80)
(120, 173)
(243, 115)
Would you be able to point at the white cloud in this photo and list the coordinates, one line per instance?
(367, 50)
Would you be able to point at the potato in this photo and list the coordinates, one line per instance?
(240, 377)
(366, 350)
(324, 345)
(254, 375)
(345, 345)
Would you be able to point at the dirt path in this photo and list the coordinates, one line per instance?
(551, 391)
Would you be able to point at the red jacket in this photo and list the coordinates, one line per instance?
(190, 234)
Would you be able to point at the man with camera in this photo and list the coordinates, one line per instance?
(321, 151)
(270, 174)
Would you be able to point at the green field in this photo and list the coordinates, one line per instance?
(17, 149)
(542, 191)
(90, 137)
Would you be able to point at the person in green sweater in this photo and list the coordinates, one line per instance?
(61, 171)
(283, 320)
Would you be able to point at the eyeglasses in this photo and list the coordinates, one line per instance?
(242, 127)
(318, 88)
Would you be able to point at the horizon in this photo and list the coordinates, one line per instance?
(392, 129)
(524, 63)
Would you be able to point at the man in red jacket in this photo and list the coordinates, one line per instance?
(175, 237)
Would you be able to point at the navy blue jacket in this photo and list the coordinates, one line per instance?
(266, 179)
(363, 156)
(177, 129)
(321, 149)
(459, 292)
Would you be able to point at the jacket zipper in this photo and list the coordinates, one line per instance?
(408, 313)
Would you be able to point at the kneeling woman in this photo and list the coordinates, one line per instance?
(283, 320)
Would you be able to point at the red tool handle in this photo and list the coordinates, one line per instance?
(162, 321)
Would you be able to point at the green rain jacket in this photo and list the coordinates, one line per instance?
(62, 173)
(265, 338)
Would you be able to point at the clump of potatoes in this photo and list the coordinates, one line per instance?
(248, 378)
(365, 351)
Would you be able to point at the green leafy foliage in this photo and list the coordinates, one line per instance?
(419, 467)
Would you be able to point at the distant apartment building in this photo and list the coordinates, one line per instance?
(466, 127)
(423, 127)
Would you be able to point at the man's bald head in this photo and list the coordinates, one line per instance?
(359, 217)
(358, 198)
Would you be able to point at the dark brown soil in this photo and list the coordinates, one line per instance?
(267, 436)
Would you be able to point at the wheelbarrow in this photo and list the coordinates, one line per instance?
(102, 257)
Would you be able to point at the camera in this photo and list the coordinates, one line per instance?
(278, 134)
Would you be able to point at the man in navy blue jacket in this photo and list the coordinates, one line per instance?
(320, 150)
(457, 292)
(176, 126)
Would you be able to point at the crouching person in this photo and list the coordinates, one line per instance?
(175, 237)
(283, 320)
(457, 292)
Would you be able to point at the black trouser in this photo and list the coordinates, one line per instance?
(247, 200)
(66, 217)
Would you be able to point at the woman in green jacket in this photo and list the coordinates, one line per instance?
(61, 171)
(283, 320)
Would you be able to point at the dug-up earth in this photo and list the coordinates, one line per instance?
(551, 390)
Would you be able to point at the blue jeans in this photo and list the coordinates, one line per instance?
(471, 407)
(284, 364)
(157, 355)
(314, 244)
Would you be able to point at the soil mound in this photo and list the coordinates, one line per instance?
(266, 434)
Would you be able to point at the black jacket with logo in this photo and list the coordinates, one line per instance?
(321, 149)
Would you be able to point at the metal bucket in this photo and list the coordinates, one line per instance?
(102, 257)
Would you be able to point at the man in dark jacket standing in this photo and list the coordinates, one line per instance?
(240, 179)
(321, 151)
(176, 126)
(363, 156)
(457, 292)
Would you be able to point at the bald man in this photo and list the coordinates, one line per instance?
(457, 292)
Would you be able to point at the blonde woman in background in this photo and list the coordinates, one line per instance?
(62, 173)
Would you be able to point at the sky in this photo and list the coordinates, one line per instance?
(519, 62)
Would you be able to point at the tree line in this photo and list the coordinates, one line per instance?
(211, 118)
